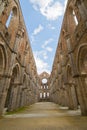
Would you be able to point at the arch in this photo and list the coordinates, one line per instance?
(13, 14)
(3, 59)
(82, 59)
(16, 68)
(15, 73)
(71, 19)
(41, 95)
(82, 63)
(13, 83)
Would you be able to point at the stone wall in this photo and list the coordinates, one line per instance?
(68, 81)
(44, 89)
(18, 73)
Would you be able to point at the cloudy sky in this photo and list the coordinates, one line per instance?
(43, 19)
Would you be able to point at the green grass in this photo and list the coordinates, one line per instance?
(19, 110)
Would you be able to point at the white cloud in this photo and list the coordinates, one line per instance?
(49, 49)
(53, 12)
(47, 42)
(50, 27)
(48, 8)
(38, 30)
(45, 55)
(32, 39)
(41, 3)
(42, 53)
(41, 65)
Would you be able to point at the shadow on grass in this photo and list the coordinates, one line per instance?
(19, 110)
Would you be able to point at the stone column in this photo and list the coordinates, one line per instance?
(2, 101)
(72, 100)
(4, 84)
(69, 95)
(82, 95)
(18, 96)
(82, 9)
(13, 97)
(22, 98)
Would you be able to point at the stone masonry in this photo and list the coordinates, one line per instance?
(18, 73)
(68, 80)
(20, 84)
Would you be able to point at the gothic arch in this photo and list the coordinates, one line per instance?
(82, 63)
(15, 79)
(3, 59)
(16, 70)
(82, 59)
(16, 73)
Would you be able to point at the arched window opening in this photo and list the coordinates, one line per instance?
(14, 74)
(44, 95)
(48, 94)
(13, 14)
(75, 18)
(9, 19)
(40, 95)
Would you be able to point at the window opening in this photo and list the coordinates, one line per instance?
(9, 19)
(75, 18)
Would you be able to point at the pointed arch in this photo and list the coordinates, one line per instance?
(3, 59)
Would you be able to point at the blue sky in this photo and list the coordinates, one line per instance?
(43, 19)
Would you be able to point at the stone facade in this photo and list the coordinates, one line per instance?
(20, 85)
(18, 73)
(44, 89)
(68, 80)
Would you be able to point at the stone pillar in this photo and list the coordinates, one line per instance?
(4, 84)
(2, 101)
(82, 95)
(66, 98)
(22, 98)
(72, 100)
(13, 97)
(82, 9)
(18, 97)
(60, 97)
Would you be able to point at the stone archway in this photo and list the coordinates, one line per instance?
(2, 60)
(11, 100)
(44, 94)
(82, 79)
(3, 76)
(82, 64)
